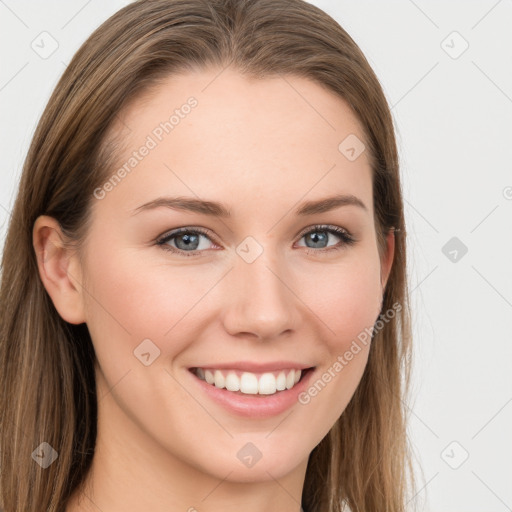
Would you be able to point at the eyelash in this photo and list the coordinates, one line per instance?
(346, 237)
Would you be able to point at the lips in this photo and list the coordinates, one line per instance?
(255, 367)
(262, 398)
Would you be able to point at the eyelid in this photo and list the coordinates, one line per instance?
(185, 229)
(320, 227)
(171, 234)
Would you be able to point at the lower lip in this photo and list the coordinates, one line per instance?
(251, 406)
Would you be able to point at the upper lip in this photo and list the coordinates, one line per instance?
(251, 366)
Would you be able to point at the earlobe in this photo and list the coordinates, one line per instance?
(59, 269)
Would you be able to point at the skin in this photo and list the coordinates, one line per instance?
(262, 148)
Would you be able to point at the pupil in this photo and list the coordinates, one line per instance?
(315, 238)
(188, 240)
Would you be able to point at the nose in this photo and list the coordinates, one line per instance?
(260, 299)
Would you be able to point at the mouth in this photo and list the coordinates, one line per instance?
(253, 390)
(240, 382)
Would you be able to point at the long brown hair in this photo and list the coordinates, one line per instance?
(47, 365)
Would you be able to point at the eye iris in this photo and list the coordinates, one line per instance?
(191, 241)
(315, 238)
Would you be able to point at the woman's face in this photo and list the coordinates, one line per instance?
(259, 290)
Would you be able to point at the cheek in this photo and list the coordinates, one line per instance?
(131, 300)
(346, 298)
(348, 302)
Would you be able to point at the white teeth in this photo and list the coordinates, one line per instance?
(208, 376)
(219, 379)
(281, 382)
(290, 379)
(249, 383)
(267, 384)
(232, 382)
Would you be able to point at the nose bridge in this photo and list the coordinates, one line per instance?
(261, 301)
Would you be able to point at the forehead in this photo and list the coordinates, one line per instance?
(216, 132)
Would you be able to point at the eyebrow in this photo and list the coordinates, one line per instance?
(215, 209)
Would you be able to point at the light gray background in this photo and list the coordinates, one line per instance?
(453, 116)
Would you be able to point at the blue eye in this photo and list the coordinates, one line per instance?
(184, 238)
(188, 240)
(313, 236)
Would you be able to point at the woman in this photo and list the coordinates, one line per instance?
(204, 300)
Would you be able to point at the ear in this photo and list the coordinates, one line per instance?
(59, 269)
(387, 258)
